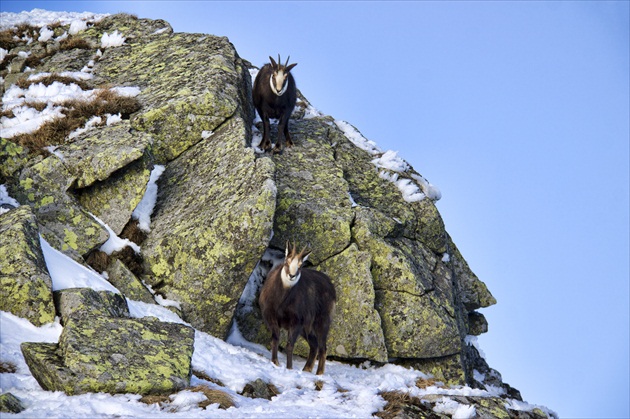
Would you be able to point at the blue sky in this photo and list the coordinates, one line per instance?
(519, 113)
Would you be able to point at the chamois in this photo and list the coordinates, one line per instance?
(274, 96)
(302, 301)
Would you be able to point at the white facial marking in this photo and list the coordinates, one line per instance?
(279, 82)
(290, 274)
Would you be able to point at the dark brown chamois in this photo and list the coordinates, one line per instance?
(274, 96)
(302, 301)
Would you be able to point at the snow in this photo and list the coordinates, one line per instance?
(144, 209)
(455, 409)
(67, 273)
(45, 33)
(391, 166)
(356, 138)
(77, 26)
(114, 243)
(27, 119)
(116, 39)
(6, 200)
(40, 17)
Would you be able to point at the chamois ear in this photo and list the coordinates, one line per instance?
(289, 67)
(274, 65)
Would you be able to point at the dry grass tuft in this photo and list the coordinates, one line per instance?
(425, 382)
(224, 400)
(74, 42)
(132, 232)
(7, 367)
(77, 112)
(98, 260)
(396, 401)
(50, 79)
(6, 39)
(155, 398)
(203, 376)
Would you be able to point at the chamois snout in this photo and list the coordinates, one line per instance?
(274, 95)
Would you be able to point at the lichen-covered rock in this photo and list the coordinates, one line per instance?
(114, 200)
(420, 219)
(114, 355)
(473, 293)
(25, 285)
(313, 204)
(190, 84)
(212, 224)
(67, 225)
(95, 155)
(10, 404)
(417, 308)
(133, 29)
(78, 303)
(122, 278)
(356, 330)
(13, 158)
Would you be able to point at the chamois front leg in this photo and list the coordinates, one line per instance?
(274, 346)
(265, 144)
(283, 135)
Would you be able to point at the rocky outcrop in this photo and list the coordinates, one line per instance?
(102, 350)
(10, 404)
(405, 293)
(25, 285)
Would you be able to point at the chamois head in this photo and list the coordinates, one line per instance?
(291, 270)
(279, 80)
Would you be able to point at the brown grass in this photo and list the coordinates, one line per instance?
(6, 39)
(98, 260)
(396, 401)
(74, 42)
(224, 400)
(203, 376)
(132, 232)
(155, 398)
(50, 79)
(76, 112)
(7, 367)
(8, 113)
(425, 382)
(214, 396)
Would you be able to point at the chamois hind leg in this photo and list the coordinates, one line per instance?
(321, 358)
(312, 344)
(293, 335)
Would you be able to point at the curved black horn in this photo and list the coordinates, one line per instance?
(287, 63)
(279, 62)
